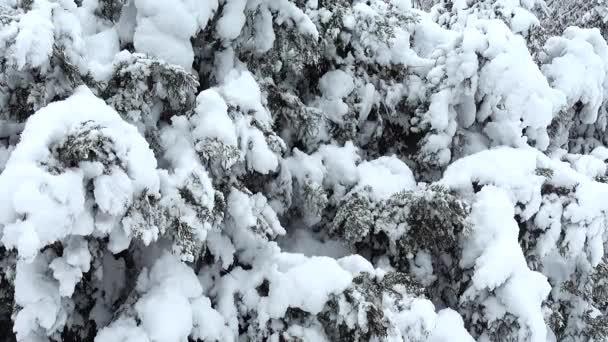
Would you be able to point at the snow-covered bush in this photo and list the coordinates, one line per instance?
(291, 170)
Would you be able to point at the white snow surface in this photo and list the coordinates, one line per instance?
(212, 214)
(39, 207)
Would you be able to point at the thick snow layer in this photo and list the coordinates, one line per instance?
(513, 180)
(515, 93)
(164, 309)
(340, 163)
(100, 51)
(449, 327)
(233, 18)
(38, 295)
(226, 170)
(211, 120)
(68, 269)
(304, 242)
(159, 34)
(241, 89)
(40, 207)
(578, 66)
(385, 176)
(336, 84)
(499, 263)
(122, 330)
(507, 168)
(306, 286)
(35, 37)
(171, 307)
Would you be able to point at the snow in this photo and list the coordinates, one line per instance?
(448, 327)
(530, 98)
(356, 264)
(69, 268)
(165, 315)
(157, 35)
(240, 209)
(246, 210)
(232, 20)
(112, 193)
(259, 156)
(38, 295)
(211, 119)
(600, 153)
(340, 163)
(522, 20)
(306, 167)
(507, 168)
(252, 203)
(242, 90)
(127, 23)
(336, 84)
(589, 166)
(165, 309)
(303, 241)
(385, 176)
(123, 330)
(511, 179)
(100, 51)
(35, 37)
(578, 65)
(208, 323)
(306, 286)
(52, 203)
(494, 245)
(499, 263)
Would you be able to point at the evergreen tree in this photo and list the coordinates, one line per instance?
(291, 170)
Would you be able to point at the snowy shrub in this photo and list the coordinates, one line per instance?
(291, 170)
(144, 89)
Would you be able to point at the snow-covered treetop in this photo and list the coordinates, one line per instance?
(303, 170)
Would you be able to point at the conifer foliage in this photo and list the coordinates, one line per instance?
(303, 170)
